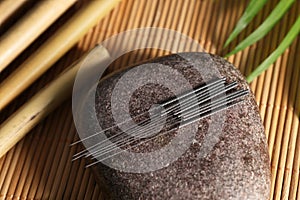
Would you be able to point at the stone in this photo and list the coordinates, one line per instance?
(235, 167)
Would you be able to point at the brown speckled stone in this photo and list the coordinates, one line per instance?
(236, 168)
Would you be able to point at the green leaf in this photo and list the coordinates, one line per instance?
(252, 9)
(286, 42)
(265, 27)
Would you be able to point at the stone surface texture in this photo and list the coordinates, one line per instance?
(237, 167)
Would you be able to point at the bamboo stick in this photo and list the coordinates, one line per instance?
(279, 141)
(247, 53)
(63, 178)
(162, 22)
(269, 85)
(53, 181)
(51, 154)
(264, 83)
(53, 49)
(25, 31)
(180, 19)
(296, 173)
(124, 25)
(16, 167)
(237, 58)
(133, 17)
(193, 25)
(235, 14)
(151, 20)
(8, 7)
(29, 147)
(284, 121)
(61, 159)
(168, 23)
(225, 22)
(137, 23)
(290, 135)
(23, 120)
(259, 53)
(291, 175)
(64, 188)
(262, 50)
(45, 160)
(75, 177)
(96, 193)
(271, 102)
(90, 186)
(290, 157)
(82, 185)
(211, 25)
(298, 195)
(274, 131)
(12, 164)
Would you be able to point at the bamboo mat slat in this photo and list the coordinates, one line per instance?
(40, 167)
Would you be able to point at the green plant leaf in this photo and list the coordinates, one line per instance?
(252, 9)
(265, 27)
(286, 42)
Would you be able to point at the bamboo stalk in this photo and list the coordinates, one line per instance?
(171, 17)
(64, 188)
(193, 25)
(237, 58)
(61, 158)
(204, 32)
(290, 157)
(283, 130)
(263, 50)
(139, 15)
(98, 36)
(25, 31)
(295, 175)
(177, 24)
(75, 177)
(124, 13)
(89, 187)
(12, 164)
(293, 160)
(126, 18)
(53, 49)
(259, 54)
(29, 147)
(23, 120)
(263, 85)
(298, 195)
(210, 46)
(247, 54)
(150, 20)
(275, 123)
(271, 102)
(35, 150)
(132, 17)
(8, 7)
(290, 136)
(63, 178)
(163, 22)
(235, 14)
(269, 86)
(280, 130)
(96, 193)
(51, 154)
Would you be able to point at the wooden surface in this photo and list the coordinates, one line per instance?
(40, 167)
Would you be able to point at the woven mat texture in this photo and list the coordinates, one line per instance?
(40, 167)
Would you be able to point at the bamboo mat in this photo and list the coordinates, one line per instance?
(40, 167)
